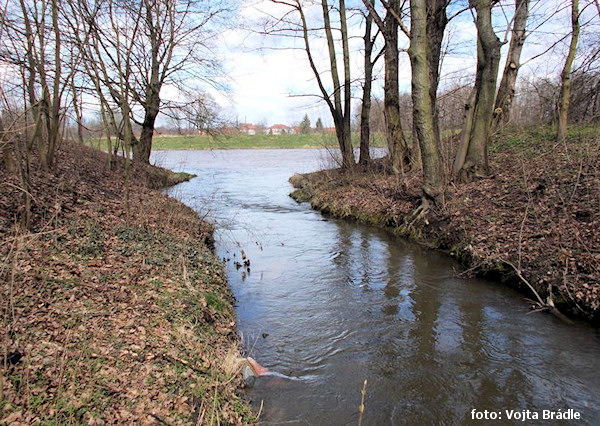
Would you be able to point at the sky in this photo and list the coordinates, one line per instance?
(269, 77)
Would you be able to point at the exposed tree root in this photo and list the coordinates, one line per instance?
(470, 173)
(419, 213)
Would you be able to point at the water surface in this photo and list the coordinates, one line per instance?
(333, 303)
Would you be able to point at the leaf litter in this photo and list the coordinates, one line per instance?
(538, 213)
(108, 306)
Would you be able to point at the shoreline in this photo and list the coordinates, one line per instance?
(507, 228)
(120, 309)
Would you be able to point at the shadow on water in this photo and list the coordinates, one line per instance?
(333, 303)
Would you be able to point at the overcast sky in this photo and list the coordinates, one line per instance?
(266, 80)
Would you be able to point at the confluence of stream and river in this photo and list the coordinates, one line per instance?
(331, 303)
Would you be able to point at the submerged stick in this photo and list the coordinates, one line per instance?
(361, 407)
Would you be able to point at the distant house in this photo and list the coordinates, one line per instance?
(280, 129)
(247, 128)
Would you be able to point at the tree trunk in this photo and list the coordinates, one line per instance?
(55, 117)
(365, 112)
(7, 148)
(506, 91)
(463, 146)
(341, 115)
(347, 150)
(565, 76)
(476, 135)
(142, 147)
(423, 113)
(396, 141)
(436, 26)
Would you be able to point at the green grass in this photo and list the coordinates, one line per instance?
(529, 141)
(241, 141)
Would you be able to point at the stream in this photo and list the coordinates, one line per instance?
(331, 303)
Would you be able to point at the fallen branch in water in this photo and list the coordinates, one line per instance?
(542, 305)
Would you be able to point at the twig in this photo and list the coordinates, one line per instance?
(176, 359)
(576, 181)
(61, 375)
(522, 278)
(158, 419)
(468, 271)
(200, 420)
(566, 271)
(521, 230)
(361, 407)
(525, 215)
(262, 402)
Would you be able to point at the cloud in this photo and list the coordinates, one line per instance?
(265, 70)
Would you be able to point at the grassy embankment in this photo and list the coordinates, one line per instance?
(539, 213)
(120, 314)
(241, 141)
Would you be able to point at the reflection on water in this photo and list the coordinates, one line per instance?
(333, 303)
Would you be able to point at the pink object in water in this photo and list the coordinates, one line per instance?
(258, 369)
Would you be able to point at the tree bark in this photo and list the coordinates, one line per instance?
(365, 112)
(436, 26)
(341, 114)
(348, 150)
(475, 134)
(396, 141)
(423, 113)
(142, 147)
(565, 76)
(506, 91)
(7, 148)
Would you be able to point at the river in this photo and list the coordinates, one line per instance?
(331, 303)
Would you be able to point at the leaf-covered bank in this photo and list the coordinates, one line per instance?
(538, 214)
(112, 312)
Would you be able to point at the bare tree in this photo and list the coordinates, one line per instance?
(565, 76)
(365, 113)
(506, 90)
(398, 147)
(342, 111)
(139, 47)
(34, 49)
(436, 26)
(472, 156)
(339, 99)
(423, 113)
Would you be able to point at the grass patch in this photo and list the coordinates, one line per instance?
(242, 141)
(215, 302)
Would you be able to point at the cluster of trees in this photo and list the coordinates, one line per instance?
(305, 127)
(483, 107)
(58, 55)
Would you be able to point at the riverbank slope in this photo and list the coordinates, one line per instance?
(112, 311)
(538, 214)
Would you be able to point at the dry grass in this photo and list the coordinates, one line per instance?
(120, 319)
